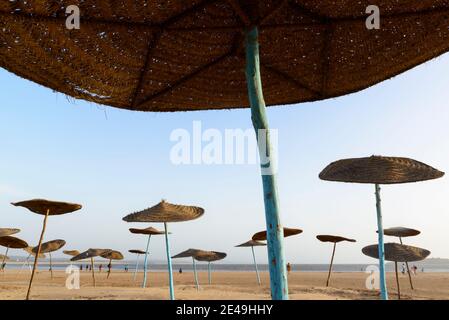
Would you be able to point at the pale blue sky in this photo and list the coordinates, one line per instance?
(115, 162)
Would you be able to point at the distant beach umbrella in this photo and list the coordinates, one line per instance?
(46, 208)
(209, 257)
(379, 170)
(49, 247)
(11, 243)
(138, 253)
(253, 243)
(166, 212)
(334, 240)
(397, 253)
(150, 231)
(190, 253)
(72, 253)
(30, 252)
(112, 255)
(288, 232)
(91, 254)
(402, 232)
(8, 231)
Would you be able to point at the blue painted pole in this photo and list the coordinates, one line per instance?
(255, 266)
(195, 274)
(209, 271)
(380, 230)
(170, 269)
(137, 267)
(275, 232)
(145, 266)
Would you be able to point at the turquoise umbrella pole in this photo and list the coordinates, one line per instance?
(255, 266)
(170, 269)
(145, 266)
(195, 274)
(275, 232)
(208, 269)
(380, 230)
(137, 267)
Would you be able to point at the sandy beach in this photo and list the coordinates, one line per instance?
(225, 285)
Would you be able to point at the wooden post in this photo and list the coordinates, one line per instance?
(110, 269)
(170, 269)
(137, 266)
(255, 266)
(195, 275)
(408, 270)
(51, 266)
(330, 266)
(145, 266)
(380, 231)
(93, 270)
(397, 279)
(4, 259)
(275, 232)
(209, 272)
(44, 225)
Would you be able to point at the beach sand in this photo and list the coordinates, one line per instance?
(225, 285)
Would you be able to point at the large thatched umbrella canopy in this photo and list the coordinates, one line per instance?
(8, 231)
(190, 55)
(29, 250)
(49, 247)
(148, 231)
(91, 254)
(288, 232)
(112, 255)
(400, 232)
(11, 243)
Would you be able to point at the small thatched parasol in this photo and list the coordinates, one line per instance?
(253, 243)
(8, 231)
(150, 231)
(138, 252)
(262, 235)
(72, 253)
(166, 212)
(209, 256)
(187, 254)
(112, 255)
(46, 208)
(49, 247)
(379, 170)
(30, 252)
(13, 243)
(91, 254)
(334, 240)
(398, 253)
(402, 232)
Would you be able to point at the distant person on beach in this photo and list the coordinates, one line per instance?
(289, 267)
(403, 269)
(81, 267)
(180, 270)
(415, 269)
(422, 269)
(100, 267)
(126, 268)
(109, 267)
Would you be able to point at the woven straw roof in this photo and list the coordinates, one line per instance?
(137, 251)
(40, 206)
(112, 255)
(380, 170)
(91, 253)
(188, 55)
(166, 212)
(13, 242)
(252, 243)
(29, 250)
(262, 235)
(401, 232)
(334, 239)
(187, 253)
(50, 246)
(72, 253)
(149, 231)
(397, 252)
(8, 231)
(209, 256)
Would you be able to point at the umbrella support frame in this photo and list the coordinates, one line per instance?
(380, 231)
(170, 268)
(145, 263)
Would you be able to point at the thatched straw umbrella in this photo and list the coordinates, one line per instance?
(72, 253)
(288, 232)
(91, 254)
(45, 208)
(49, 247)
(30, 252)
(209, 256)
(397, 253)
(190, 253)
(379, 170)
(401, 232)
(166, 212)
(252, 243)
(8, 231)
(11, 243)
(150, 231)
(138, 252)
(334, 240)
(190, 55)
(112, 255)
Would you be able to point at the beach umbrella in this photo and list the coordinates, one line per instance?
(209, 256)
(397, 253)
(30, 252)
(166, 212)
(252, 243)
(379, 170)
(8, 231)
(49, 247)
(45, 208)
(138, 252)
(334, 240)
(72, 253)
(150, 231)
(190, 253)
(11, 243)
(190, 55)
(112, 255)
(91, 254)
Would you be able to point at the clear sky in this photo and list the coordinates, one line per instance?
(115, 162)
